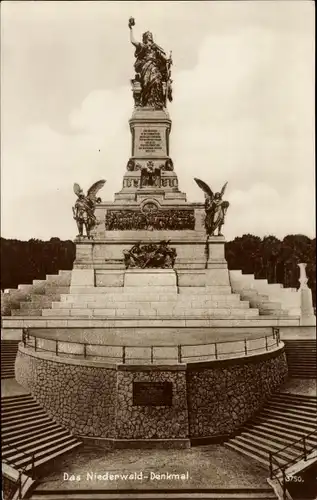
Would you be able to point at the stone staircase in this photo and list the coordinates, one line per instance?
(162, 302)
(157, 494)
(284, 419)
(269, 298)
(9, 350)
(26, 430)
(301, 358)
(29, 300)
(54, 299)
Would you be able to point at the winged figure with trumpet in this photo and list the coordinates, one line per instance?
(84, 209)
(215, 208)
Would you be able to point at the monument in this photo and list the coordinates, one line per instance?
(150, 208)
(136, 353)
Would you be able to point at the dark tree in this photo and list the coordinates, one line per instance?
(24, 261)
(274, 259)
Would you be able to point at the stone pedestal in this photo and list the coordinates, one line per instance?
(150, 131)
(306, 300)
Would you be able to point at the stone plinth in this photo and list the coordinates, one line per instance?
(190, 246)
(306, 301)
(150, 133)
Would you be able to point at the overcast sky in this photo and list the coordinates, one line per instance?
(243, 108)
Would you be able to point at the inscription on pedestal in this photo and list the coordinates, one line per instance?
(149, 141)
(152, 393)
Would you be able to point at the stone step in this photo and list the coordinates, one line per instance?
(20, 415)
(18, 398)
(38, 446)
(259, 456)
(26, 443)
(104, 304)
(182, 290)
(273, 429)
(300, 398)
(21, 418)
(63, 279)
(7, 375)
(25, 407)
(296, 359)
(50, 289)
(268, 305)
(303, 362)
(42, 298)
(305, 343)
(37, 282)
(280, 440)
(140, 311)
(41, 302)
(283, 294)
(252, 295)
(149, 297)
(273, 312)
(31, 433)
(26, 312)
(25, 288)
(19, 428)
(120, 297)
(298, 352)
(287, 415)
(265, 445)
(298, 410)
(48, 454)
(291, 425)
(260, 284)
(213, 290)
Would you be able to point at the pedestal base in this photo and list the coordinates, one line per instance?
(150, 278)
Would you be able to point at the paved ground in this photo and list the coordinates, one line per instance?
(10, 387)
(211, 466)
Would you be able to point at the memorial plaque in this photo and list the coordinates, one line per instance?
(149, 141)
(152, 393)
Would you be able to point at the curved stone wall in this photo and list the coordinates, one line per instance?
(80, 397)
(223, 396)
(209, 400)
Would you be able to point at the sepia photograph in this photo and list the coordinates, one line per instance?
(158, 250)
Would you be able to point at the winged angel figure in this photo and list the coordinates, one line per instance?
(215, 208)
(84, 209)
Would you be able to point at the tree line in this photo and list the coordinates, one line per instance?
(268, 257)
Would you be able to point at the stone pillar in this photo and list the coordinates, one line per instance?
(217, 273)
(306, 300)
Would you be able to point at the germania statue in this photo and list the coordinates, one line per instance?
(84, 209)
(153, 71)
(215, 208)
